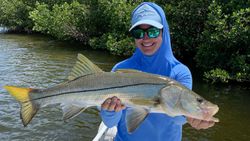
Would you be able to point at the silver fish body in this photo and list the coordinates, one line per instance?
(143, 92)
(92, 89)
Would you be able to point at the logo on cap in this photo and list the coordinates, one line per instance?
(145, 14)
(144, 11)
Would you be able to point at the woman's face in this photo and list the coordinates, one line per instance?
(148, 46)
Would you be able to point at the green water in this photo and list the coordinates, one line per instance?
(39, 62)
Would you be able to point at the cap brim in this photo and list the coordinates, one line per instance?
(149, 22)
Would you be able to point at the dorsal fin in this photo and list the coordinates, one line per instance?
(82, 67)
(128, 71)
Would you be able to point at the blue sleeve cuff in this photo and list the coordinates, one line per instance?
(110, 118)
(180, 120)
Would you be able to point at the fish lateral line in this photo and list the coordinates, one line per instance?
(92, 90)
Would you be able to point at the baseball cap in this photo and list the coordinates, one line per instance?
(145, 14)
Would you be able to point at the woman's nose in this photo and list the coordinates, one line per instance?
(145, 36)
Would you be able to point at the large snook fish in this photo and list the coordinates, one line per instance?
(89, 86)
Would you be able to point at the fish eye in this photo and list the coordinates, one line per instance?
(200, 100)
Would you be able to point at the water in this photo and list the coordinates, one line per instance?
(3, 29)
(40, 62)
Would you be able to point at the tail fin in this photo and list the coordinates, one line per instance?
(28, 107)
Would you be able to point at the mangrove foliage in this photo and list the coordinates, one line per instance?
(212, 34)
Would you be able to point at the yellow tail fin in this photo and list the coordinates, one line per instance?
(20, 94)
(28, 107)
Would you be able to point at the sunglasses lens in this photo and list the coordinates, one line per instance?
(138, 33)
(153, 32)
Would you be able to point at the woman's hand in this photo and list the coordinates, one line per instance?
(200, 124)
(113, 104)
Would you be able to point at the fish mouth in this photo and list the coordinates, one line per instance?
(209, 112)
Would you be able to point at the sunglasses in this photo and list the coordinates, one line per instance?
(139, 33)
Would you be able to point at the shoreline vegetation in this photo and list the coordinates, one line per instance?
(211, 36)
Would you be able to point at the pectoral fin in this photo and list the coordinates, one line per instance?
(134, 117)
(71, 111)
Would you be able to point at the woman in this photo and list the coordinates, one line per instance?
(153, 55)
